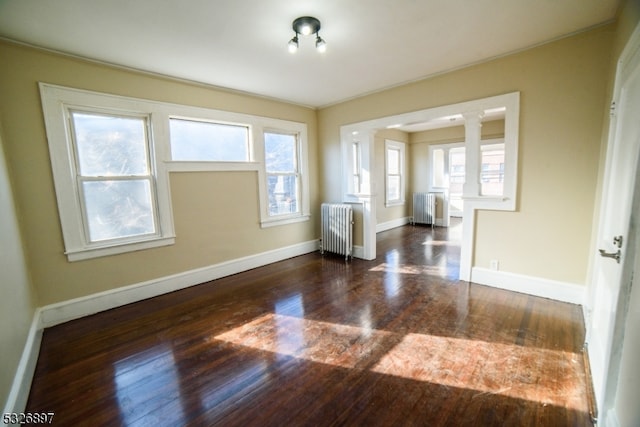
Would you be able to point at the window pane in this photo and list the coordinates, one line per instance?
(438, 168)
(356, 157)
(456, 171)
(117, 209)
(204, 141)
(280, 152)
(492, 172)
(393, 189)
(393, 161)
(283, 195)
(110, 145)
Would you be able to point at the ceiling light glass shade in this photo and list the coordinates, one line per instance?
(293, 45)
(321, 45)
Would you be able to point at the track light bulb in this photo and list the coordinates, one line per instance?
(306, 29)
(293, 45)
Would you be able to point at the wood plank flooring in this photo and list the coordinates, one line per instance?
(315, 341)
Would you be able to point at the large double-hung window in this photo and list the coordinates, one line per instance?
(114, 176)
(283, 175)
(394, 171)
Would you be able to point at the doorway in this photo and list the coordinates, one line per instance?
(613, 269)
(447, 164)
(362, 135)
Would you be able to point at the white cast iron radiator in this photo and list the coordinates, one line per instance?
(424, 208)
(336, 229)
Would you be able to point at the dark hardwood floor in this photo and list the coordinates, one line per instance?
(315, 341)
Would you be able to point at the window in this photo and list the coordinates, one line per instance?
(492, 170)
(438, 177)
(394, 169)
(204, 140)
(457, 162)
(283, 178)
(111, 155)
(112, 196)
(193, 140)
(355, 153)
(114, 176)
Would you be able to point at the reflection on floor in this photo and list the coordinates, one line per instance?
(317, 341)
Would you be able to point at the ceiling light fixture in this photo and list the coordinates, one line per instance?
(306, 25)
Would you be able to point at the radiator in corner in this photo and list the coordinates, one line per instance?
(336, 234)
(424, 208)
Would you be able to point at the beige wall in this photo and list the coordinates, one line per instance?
(17, 304)
(216, 214)
(562, 86)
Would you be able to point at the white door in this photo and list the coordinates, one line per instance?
(615, 212)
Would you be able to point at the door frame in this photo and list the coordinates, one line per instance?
(364, 133)
(605, 367)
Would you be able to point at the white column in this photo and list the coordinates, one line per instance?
(369, 189)
(367, 194)
(471, 188)
(472, 137)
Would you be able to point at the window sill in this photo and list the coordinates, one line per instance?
(486, 198)
(197, 166)
(102, 251)
(274, 222)
(392, 204)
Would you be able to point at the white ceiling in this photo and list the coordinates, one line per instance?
(242, 44)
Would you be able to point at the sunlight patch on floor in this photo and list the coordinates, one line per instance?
(530, 373)
(433, 270)
(534, 374)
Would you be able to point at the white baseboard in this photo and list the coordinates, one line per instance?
(55, 314)
(556, 290)
(358, 251)
(19, 392)
(384, 226)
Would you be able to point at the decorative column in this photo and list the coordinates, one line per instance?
(366, 194)
(471, 188)
(369, 190)
(472, 137)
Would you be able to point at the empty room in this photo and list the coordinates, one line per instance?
(345, 213)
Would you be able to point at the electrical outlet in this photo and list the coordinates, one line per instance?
(494, 264)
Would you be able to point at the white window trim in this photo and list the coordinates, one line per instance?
(56, 103)
(400, 147)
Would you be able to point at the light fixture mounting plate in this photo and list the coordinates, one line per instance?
(313, 24)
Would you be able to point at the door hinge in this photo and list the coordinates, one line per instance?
(612, 109)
